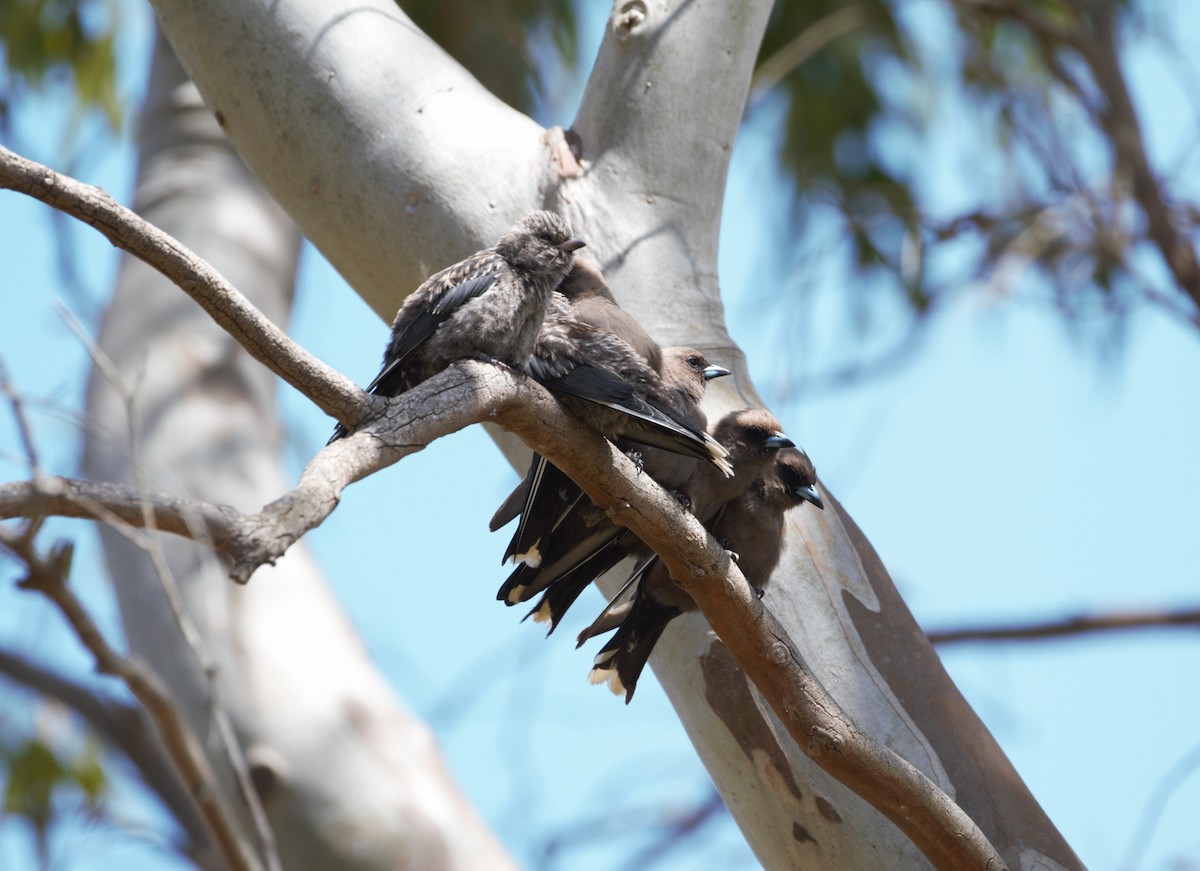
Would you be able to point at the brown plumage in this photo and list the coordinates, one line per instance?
(592, 302)
(750, 526)
(560, 527)
(753, 437)
(598, 377)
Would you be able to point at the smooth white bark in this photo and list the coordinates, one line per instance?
(352, 120)
(352, 780)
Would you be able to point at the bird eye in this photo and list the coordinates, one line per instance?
(694, 361)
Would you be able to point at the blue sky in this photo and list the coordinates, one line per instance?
(1005, 474)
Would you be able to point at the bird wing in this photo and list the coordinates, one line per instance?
(461, 283)
(548, 494)
(659, 427)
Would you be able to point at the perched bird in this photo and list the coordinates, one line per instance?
(593, 302)
(754, 438)
(548, 495)
(750, 527)
(599, 378)
(489, 306)
(560, 528)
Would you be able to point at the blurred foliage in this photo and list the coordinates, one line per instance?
(1046, 209)
(43, 780)
(498, 41)
(1054, 192)
(45, 41)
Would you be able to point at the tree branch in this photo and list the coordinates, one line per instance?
(48, 576)
(1118, 117)
(1080, 625)
(329, 390)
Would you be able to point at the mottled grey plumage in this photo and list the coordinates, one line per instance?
(753, 437)
(489, 306)
(750, 526)
(561, 530)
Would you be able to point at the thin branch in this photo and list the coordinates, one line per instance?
(117, 503)
(17, 404)
(329, 390)
(1119, 119)
(125, 728)
(1125, 132)
(804, 45)
(47, 574)
(1175, 777)
(1071, 626)
(151, 545)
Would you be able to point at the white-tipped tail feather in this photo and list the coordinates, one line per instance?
(542, 613)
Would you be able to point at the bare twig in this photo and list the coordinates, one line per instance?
(1184, 768)
(116, 503)
(329, 390)
(1080, 625)
(17, 404)
(804, 45)
(47, 574)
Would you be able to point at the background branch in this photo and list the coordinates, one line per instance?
(48, 576)
(1083, 624)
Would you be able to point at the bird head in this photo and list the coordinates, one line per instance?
(689, 360)
(798, 477)
(540, 242)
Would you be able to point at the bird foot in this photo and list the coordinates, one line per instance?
(682, 498)
(488, 358)
(637, 459)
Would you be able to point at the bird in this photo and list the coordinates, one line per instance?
(753, 436)
(593, 302)
(600, 379)
(750, 526)
(488, 306)
(548, 494)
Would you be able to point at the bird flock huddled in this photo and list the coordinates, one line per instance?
(529, 303)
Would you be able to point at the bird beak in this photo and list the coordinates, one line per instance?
(571, 245)
(779, 440)
(809, 494)
(715, 372)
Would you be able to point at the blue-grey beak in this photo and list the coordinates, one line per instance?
(809, 494)
(779, 440)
